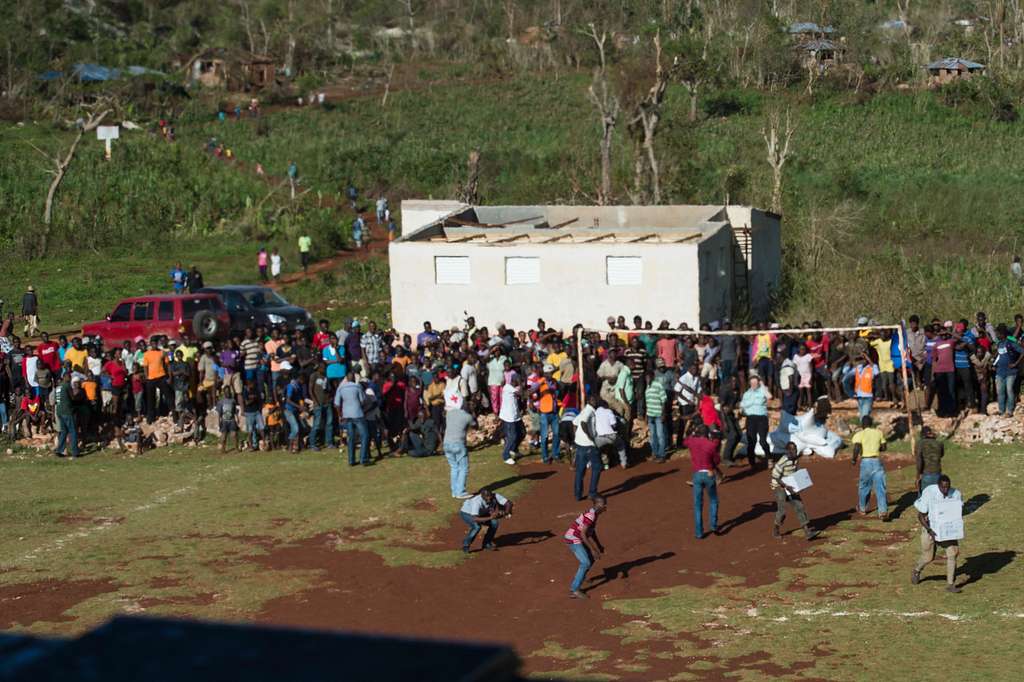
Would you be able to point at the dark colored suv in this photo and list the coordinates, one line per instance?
(200, 316)
(250, 306)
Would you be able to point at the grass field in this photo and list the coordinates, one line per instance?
(192, 532)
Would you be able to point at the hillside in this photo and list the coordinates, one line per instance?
(899, 191)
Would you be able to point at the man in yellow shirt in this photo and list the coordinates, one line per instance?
(76, 355)
(868, 444)
(886, 368)
(555, 358)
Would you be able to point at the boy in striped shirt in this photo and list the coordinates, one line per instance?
(786, 466)
(581, 537)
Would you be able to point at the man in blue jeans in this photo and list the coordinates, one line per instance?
(584, 544)
(457, 422)
(868, 444)
(586, 449)
(1008, 358)
(323, 417)
(348, 402)
(546, 396)
(65, 413)
(704, 460)
(483, 509)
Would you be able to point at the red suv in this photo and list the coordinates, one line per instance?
(201, 316)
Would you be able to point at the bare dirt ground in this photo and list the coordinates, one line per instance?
(519, 594)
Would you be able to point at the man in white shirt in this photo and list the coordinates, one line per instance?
(484, 509)
(587, 453)
(606, 426)
(943, 491)
(687, 391)
(511, 419)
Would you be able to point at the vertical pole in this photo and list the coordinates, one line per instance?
(579, 367)
(106, 145)
(906, 391)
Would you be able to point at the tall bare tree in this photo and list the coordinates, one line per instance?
(643, 126)
(778, 136)
(607, 105)
(61, 163)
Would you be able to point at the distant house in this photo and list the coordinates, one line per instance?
(821, 52)
(231, 70)
(953, 68)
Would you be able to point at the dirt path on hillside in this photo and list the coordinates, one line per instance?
(519, 594)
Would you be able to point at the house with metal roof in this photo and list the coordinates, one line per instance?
(821, 52)
(570, 264)
(953, 68)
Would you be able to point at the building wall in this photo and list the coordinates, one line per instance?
(573, 285)
(766, 262)
(716, 276)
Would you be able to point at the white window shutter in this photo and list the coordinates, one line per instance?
(451, 270)
(624, 271)
(522, 270)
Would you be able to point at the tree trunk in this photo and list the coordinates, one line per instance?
(693, 104)
(606, 161)
(649, 130)
(638, 170)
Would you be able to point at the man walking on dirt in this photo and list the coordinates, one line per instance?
(868, 444)
(304, 245)
(583, 542)
(30, 311)
(943, 491)
(787, 466)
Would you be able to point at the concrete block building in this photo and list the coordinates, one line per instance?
(570, 264)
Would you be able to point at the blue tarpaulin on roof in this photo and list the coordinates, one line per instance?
(95, 73)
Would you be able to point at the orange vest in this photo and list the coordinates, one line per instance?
(864, 380)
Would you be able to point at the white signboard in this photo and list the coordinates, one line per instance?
(947, 521)
(798, 481)
(108, 132)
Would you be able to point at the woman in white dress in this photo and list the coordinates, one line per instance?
(275, 264)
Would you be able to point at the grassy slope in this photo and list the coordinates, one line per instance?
(191, 514)
(898, 191)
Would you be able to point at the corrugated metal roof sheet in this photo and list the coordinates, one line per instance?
(819, 45)
(809, 27)
(953, 63)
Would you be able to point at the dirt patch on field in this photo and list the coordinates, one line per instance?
(46, 600)
(203, 599)
(519, 594)
(428, 504)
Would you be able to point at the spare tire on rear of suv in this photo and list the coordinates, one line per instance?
(205, 325)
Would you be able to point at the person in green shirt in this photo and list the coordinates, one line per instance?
(65, 414)
(654, 398)
(868, 444)
(304, 245)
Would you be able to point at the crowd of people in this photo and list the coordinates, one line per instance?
(529, 379)
(378, 393)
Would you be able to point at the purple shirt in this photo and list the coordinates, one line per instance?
(353, 349)
(229, 361)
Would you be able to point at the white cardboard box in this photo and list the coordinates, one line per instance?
(947, 521)
(800, 480)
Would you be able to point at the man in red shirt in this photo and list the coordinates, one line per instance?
(322, 338)
(704, 459)
(47, 352)
(581, 537)
(115, 369)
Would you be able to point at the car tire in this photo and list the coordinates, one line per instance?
(205, 325)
